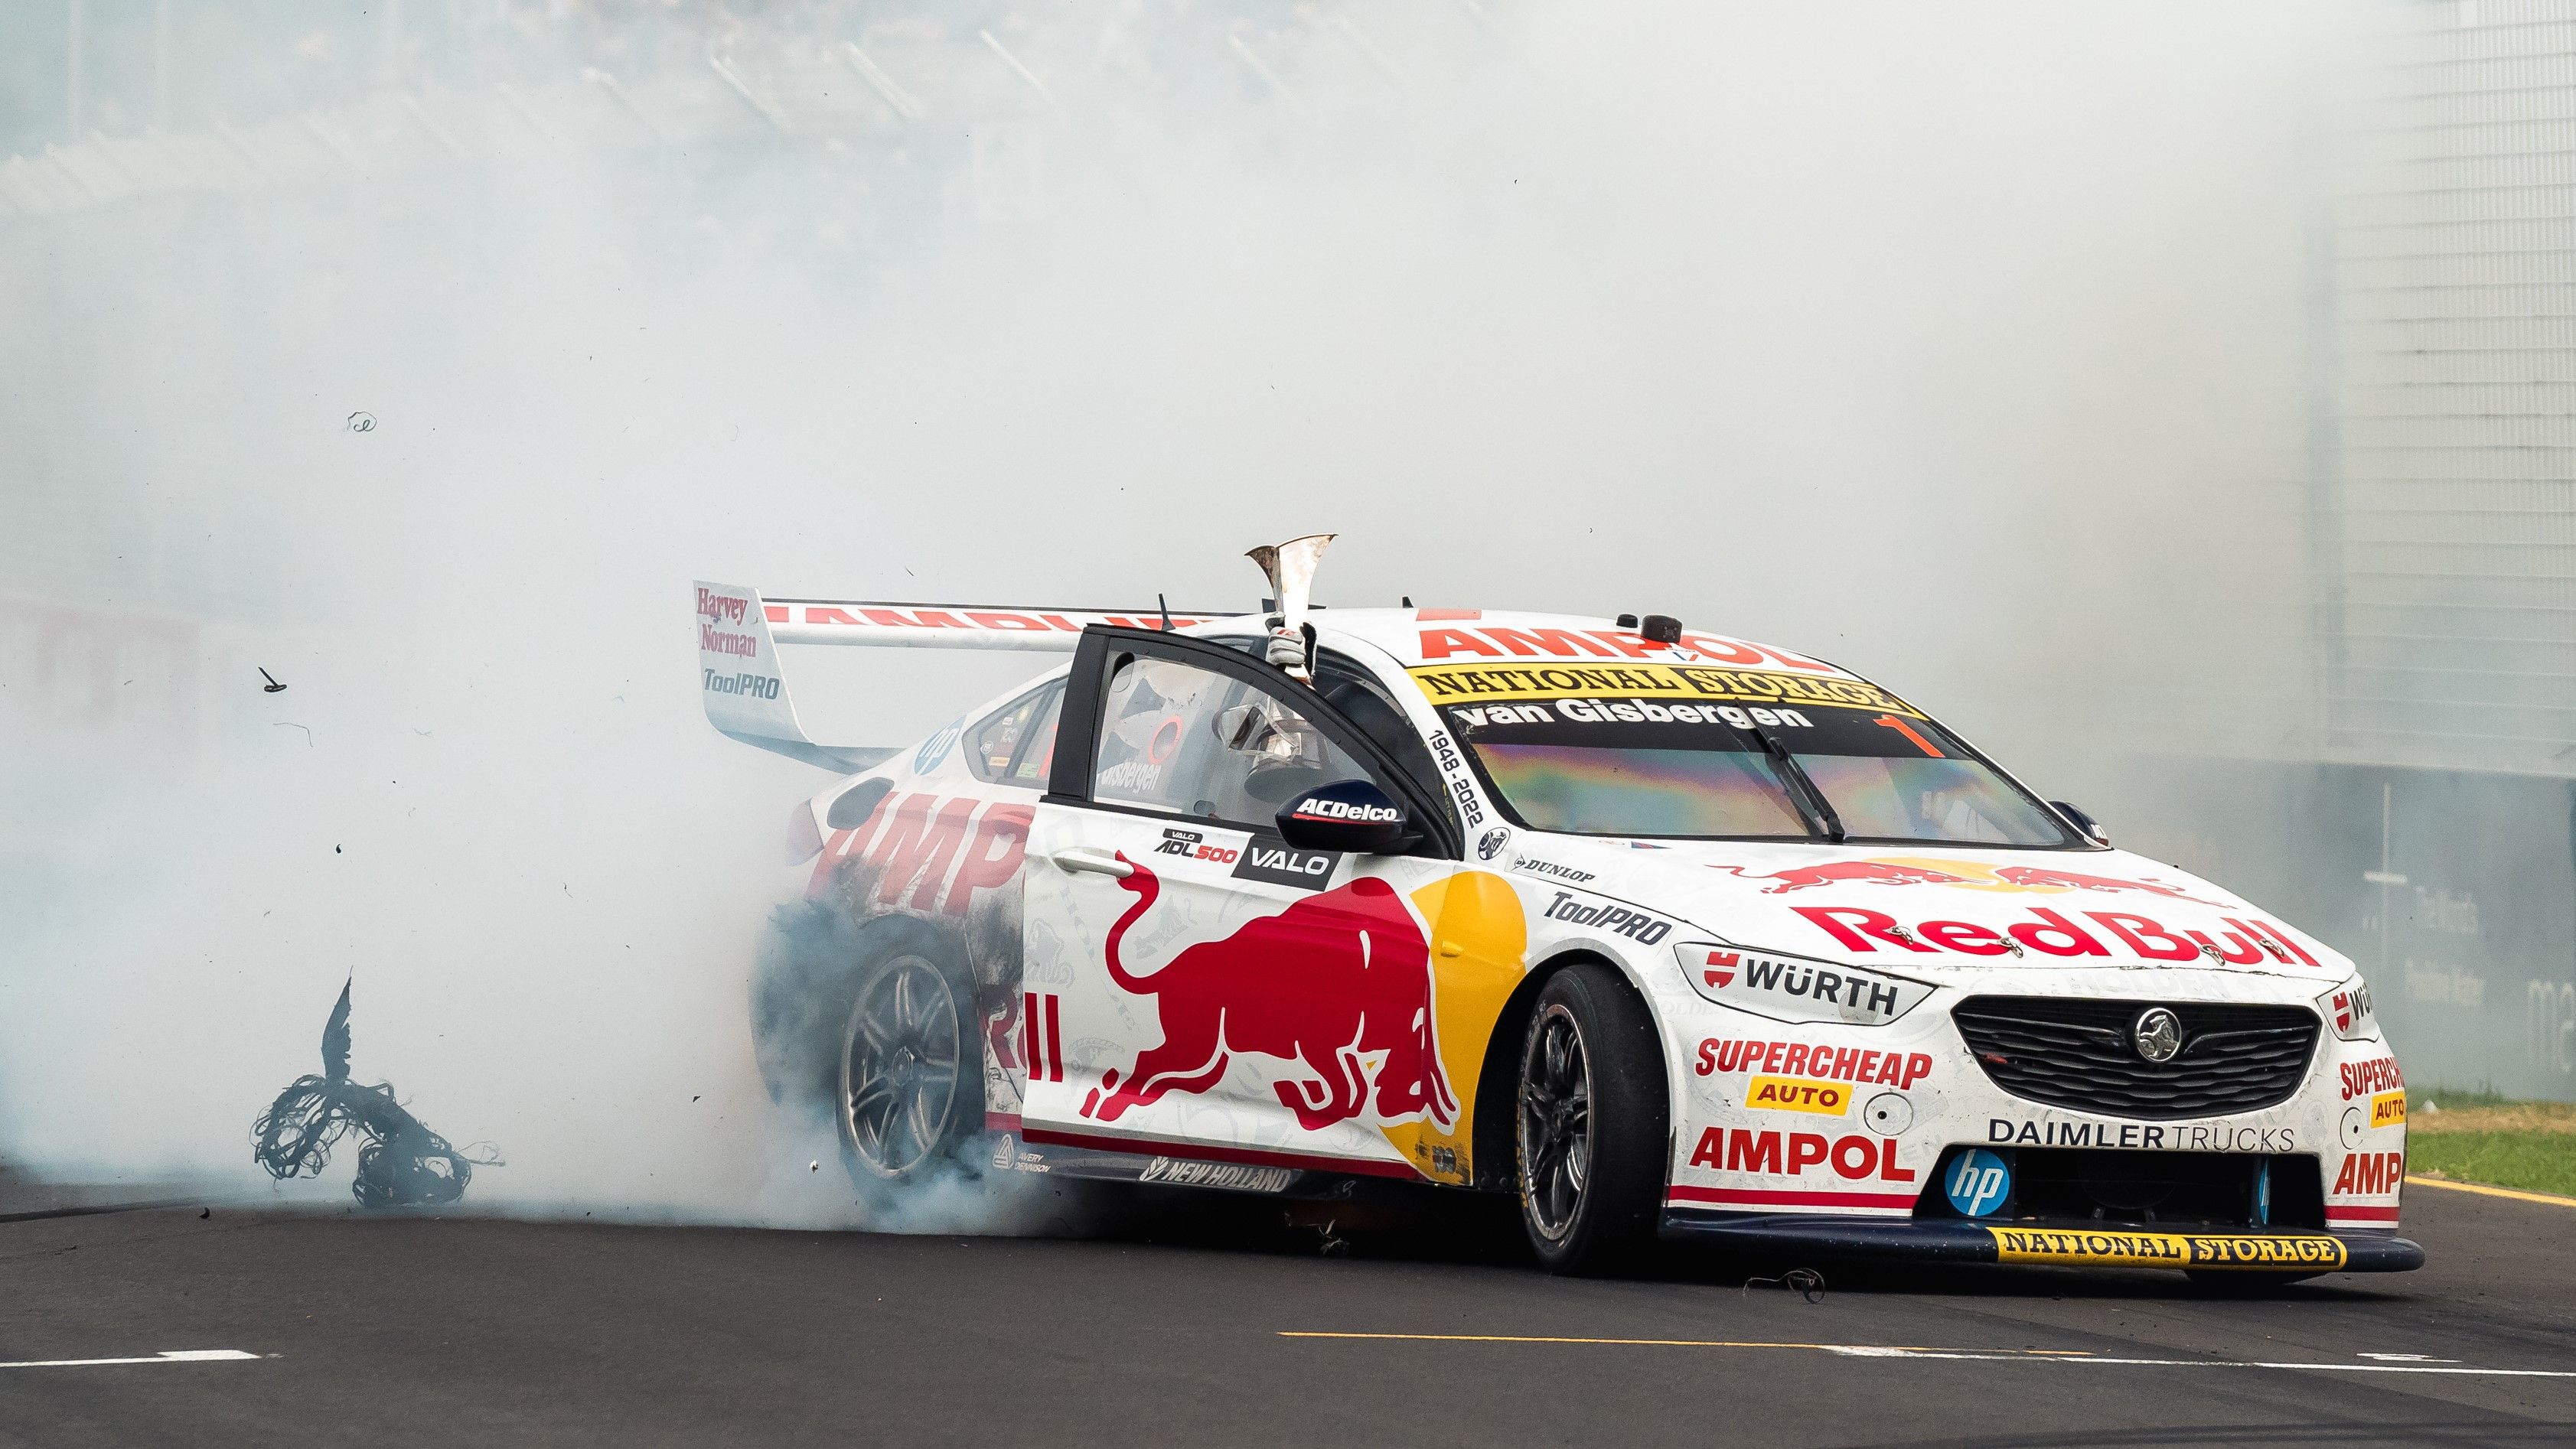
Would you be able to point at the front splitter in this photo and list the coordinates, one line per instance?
(1952, 1240)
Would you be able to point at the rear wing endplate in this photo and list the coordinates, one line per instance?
(746, 691)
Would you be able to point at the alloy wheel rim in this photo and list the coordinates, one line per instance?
(1555, 1123)
(899, 1067)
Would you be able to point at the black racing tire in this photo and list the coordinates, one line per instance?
(1589, 1124)
(903, 1059)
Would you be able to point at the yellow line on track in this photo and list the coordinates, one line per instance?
(2485, 1191)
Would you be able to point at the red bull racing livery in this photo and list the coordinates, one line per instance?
(1667, 933)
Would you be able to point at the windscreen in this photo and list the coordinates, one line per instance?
(1657, 762)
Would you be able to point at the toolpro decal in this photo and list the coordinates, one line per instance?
(1609, 916)
(1792, 988)
(1336, 982)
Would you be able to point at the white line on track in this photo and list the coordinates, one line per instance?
(167, 1355)
(2039, 1355)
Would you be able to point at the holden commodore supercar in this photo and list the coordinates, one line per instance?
(1670, 934)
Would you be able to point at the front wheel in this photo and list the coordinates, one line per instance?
(1590, 1123)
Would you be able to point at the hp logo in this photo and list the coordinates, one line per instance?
(1978, 1182)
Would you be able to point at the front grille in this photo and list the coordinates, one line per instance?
(2078, 1053)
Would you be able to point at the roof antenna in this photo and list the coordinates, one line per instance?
(1167, 613)
(1408, 601)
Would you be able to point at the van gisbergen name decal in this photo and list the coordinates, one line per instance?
(2168, 1250)
(1456, 683)
(1789, 988)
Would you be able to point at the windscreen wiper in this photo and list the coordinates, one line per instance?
(1812, 801)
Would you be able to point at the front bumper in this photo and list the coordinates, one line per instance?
(1951, 1240)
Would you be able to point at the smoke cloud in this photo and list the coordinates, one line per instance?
(1956, 344)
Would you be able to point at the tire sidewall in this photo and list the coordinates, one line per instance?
(882, 946)
(1613, 1224)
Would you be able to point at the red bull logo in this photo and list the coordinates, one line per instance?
(1845, 872)
(1338, 977)
(1969, 874)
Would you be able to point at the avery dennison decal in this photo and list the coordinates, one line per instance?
(2168, 1250)
(1500, 683)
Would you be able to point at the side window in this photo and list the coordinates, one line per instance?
(1017, 744)
(1180, 738)
(1363, 701)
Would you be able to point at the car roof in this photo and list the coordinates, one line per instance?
(1420, 637)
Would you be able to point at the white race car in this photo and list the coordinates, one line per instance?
(1668, 933)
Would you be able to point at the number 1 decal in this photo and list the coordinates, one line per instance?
(1907, 730)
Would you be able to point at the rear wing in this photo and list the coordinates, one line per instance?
(745, 688)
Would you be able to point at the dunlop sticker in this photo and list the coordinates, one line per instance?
(2168, 1250)
(1798, 1094)
(1463, 683)
(2388, 1109)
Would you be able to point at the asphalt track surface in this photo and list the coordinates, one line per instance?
(1188, 1321)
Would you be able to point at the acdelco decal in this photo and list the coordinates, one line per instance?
(1798, 1059)
(2378, 1074)
(923, 855)
(1498, 683)
(2053, 933)
(1855, 1157)
(1788, 988)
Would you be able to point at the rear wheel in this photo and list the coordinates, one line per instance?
(910, 1082)
(1590, 1128)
